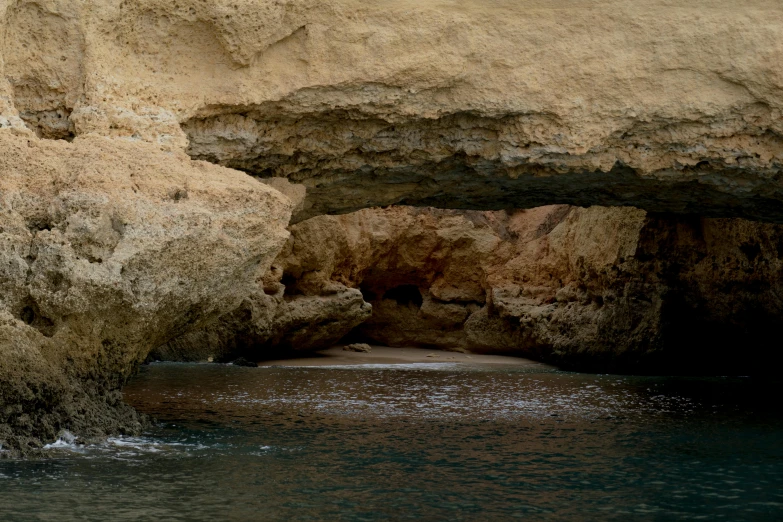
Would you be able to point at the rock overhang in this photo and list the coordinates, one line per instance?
(672, 107)
(350, 160)
(668, 107)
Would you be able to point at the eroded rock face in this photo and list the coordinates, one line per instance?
(472, 105)
(107, 249)
(597, 288)
(112, 247)
(266, 325)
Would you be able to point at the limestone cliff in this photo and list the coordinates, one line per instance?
(118, 241)
(108, 249)
(598, 288)
(666, 106)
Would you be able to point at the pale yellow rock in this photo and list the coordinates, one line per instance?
(666, 105)
(112, 247)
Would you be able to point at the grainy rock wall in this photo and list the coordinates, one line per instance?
(666, 106)
(118, 242)
(107, 249)
(598, 288)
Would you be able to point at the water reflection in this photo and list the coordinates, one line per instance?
(433, 442)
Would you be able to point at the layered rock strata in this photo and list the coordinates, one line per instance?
(475, 105)
(108, 249)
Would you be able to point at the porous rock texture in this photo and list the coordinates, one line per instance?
(109, 248)
(112, 247)
(268, 324)
(663, 105)
(597, 288)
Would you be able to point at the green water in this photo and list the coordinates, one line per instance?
(432, 442)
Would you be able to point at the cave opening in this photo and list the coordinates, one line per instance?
(405, 295)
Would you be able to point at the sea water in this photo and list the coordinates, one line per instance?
(418, 441)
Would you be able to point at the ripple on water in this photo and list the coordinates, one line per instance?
(437, 442)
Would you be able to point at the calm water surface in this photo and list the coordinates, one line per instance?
(431, 442)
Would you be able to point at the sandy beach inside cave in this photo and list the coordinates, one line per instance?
(386, 355)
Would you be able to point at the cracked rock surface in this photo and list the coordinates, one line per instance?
(666, 106)
(119, 241)
(107, 249)
(610, 289)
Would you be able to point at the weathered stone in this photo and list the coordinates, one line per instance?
(598, 288)
(107, 249)
(266, 325)
(358, 347)
(664, 106)
(110, 248)
(241, 361)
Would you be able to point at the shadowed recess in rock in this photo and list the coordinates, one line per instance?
(350, 160)
(603, 289)
(119, 241)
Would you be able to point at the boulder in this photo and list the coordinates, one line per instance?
(267, 326)
(109, 248)
(358, 348)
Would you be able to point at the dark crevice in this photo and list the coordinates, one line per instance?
(289, 282)
(405, 295)
(751, 250)
(31, 315)
(39, 224)
(367, 294)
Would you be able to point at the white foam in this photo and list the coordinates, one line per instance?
(263, 451)
(66, 440)
(134, 443)
(119, 447)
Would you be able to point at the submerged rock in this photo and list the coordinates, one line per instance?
(107, 249)
(244, 362)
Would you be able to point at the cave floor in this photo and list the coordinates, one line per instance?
(337, 356)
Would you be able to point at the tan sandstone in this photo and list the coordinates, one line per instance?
(118, 242)
(664, 105)
(107, 249)
(603, 288)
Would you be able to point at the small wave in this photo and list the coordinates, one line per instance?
(117, 447)
(135, 443)
(263, 451)
(66, 440)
